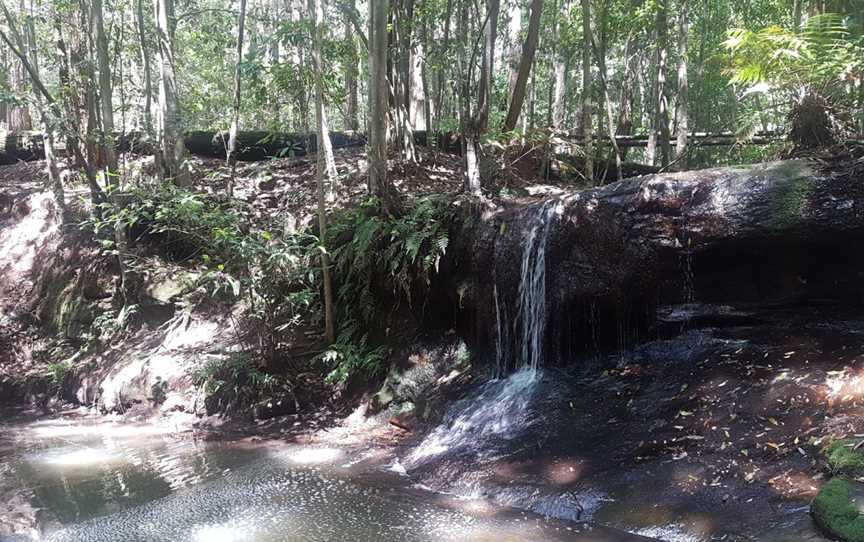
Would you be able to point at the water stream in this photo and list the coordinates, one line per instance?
(90, 480)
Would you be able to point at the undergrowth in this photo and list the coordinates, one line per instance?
(378, 263)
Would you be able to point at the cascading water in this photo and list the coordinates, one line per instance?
(532, 289)
(500, 408)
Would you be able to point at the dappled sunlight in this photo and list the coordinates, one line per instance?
(22, 240)
(844, 385)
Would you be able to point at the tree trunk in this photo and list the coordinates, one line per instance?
(379, 184)
(659, 97)
(559, 70)
(682, 111)
(351, 69)
(797, 10)
(145, 63)
(527, 60)
(514, 45)
(316, 15)
(587, 107)
(169, 117)
(235, 106)
(45, 100)
(105, 94)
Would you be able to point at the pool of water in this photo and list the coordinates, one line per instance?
(95, 480)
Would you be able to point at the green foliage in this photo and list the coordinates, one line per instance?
(57, 372)
(378, 258)
(349, 359)
(234, 384)
(836, 512)
(372, 251)
(822, 56)
(845, 457)
(276, 276)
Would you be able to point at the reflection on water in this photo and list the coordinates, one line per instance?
(78, 471)
(106, 482)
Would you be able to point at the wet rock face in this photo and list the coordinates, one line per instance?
(773, 232)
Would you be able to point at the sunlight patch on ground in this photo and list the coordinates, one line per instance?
(844, 385)
(20, 241)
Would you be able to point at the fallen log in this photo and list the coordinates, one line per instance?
(779, 232)
(252, 145)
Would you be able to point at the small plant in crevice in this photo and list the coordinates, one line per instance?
(57, 372)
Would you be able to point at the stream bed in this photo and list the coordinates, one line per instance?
(86, 479)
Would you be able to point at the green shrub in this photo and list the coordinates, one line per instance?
(348, 360)
(277, 276)
(235, 384)
(837, 513)
(373, 252)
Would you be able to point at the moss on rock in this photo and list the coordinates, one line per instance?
(845, 458)
(837, 509)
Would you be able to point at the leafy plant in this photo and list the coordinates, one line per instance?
(233, 384)
(372, 251)
(349, 359)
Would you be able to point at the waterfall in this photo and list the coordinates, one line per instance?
(500, 409)
(532, 288)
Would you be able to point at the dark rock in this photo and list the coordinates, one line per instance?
(778, 232)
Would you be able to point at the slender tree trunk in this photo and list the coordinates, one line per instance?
(525, 64)
(106, 94)
(235, 106)
(351, 69)
(797, 9)
(659, 134)
(514, 44)
(682, 112)
(441, 72)
(559, 71)
(145, 64)
(484, 90)
(322, 171)
(169, 117)
(587, 107)
(18, 116)
(44, 99)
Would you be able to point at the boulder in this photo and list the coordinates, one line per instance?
(775, 232)
(837, 510)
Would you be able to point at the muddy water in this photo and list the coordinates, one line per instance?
(100, 481)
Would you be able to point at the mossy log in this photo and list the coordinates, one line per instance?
(777, 232)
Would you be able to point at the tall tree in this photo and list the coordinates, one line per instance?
(44, 101)
(170, 126)
(525, 63)
(659, 133)
(106, 93)
(352, 61)
(682, 113)
(322, 170)
(559, 68)
(379, 91)
(587, 105)
(144, 52)
(235, 106)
